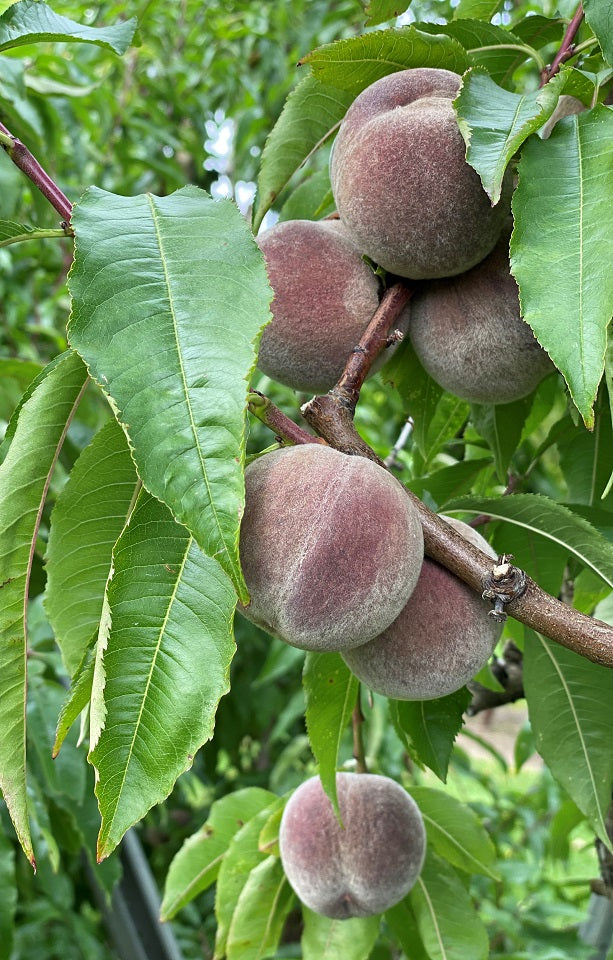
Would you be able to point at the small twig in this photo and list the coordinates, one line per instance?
(357, 719)
(284, 429)
(28, 164)
(567, 47)
(391, 461)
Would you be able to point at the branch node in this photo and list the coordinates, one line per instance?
(503, 584)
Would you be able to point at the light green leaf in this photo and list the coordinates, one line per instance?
(242, 856)
(495, 123)
(562, 247)
(33, 22)
(15, 376)
(196, 866)
(259, 916)
(501, 424)
(331, 692)
(599, 15)
(169, 297)
(380, 11)
(356, 63)
(8, 896)
(37, 433)
(166, 665)
(311, 114)
(87, 518)
(446, 918)
(479, 9)
(11, 232)
(326, 939)
(569, 701)
(428, 728)
(77, 700)
(455, 832)
(538, 514)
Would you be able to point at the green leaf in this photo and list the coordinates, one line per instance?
(326, 939)
(196, 866)
(33, 22)
(428, 728)
(242, 856)
(443, 485)
(403, 924)
(356, 63)
(77, 700)
(331, 692)
(446, 918)
(495, 123)
(11, 232)
(541, 558)
(455, 832)
(449, 416)
(501, 424)
(380, 11)
(569, 701)
(487, 45)
(170, 296)
(15, 376)
(38, 431)
(166, 665)
(586, 459)
(8, 897)
(479, 9)
(599, 16)
(64, 775)
(538, 514)
(420, 393)
(87, 519)
(562, 247)
(310, 200)
(259, 916)
(311, 114)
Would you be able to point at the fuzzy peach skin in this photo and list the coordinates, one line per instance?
(324, 297)
(401, 182)
(439, 642)
(330, 547)
(364, 867)
(468, 333)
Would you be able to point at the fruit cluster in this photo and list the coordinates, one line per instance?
(407, 200)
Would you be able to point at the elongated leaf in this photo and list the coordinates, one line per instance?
(501, 424)
(169, 298)
(326, 939)
(37, 435)
(495, 123)
(428, 728)
(12, 232)
(25, 396)
(455, 832)
(65, 775)
(379, 11)
(599, 16)
(548, 519)
(166, 665)
(331, 692)
(311, 114)
(562, 247)
(446, 918)
(196, 866)
(33, 22)
(356, 63)
(8, 897)
(569, 702)
(263, 905)
(87, 518)
(77, 700)
(242, 856)
(403, 924)
(487, 45)
(420, 393)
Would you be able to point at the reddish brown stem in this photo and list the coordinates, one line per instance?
(285, 429)
(28, 164)
(566, 47)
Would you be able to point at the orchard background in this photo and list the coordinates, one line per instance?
(118, 558)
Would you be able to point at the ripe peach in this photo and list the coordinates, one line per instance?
(367, 865)
(331, 547)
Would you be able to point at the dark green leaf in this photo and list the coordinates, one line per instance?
(501, 424)
(562, 247)
(450, 482)
(428, 728)
(33, 22)
(37, 432)
(403, 924)
(331, 691)
(599, 15)
(165, 664)
(169, 298)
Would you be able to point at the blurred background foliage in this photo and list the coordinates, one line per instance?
(193, 101)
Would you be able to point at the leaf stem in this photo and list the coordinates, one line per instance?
(28, 164)
(522, 47)
(32, 235)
